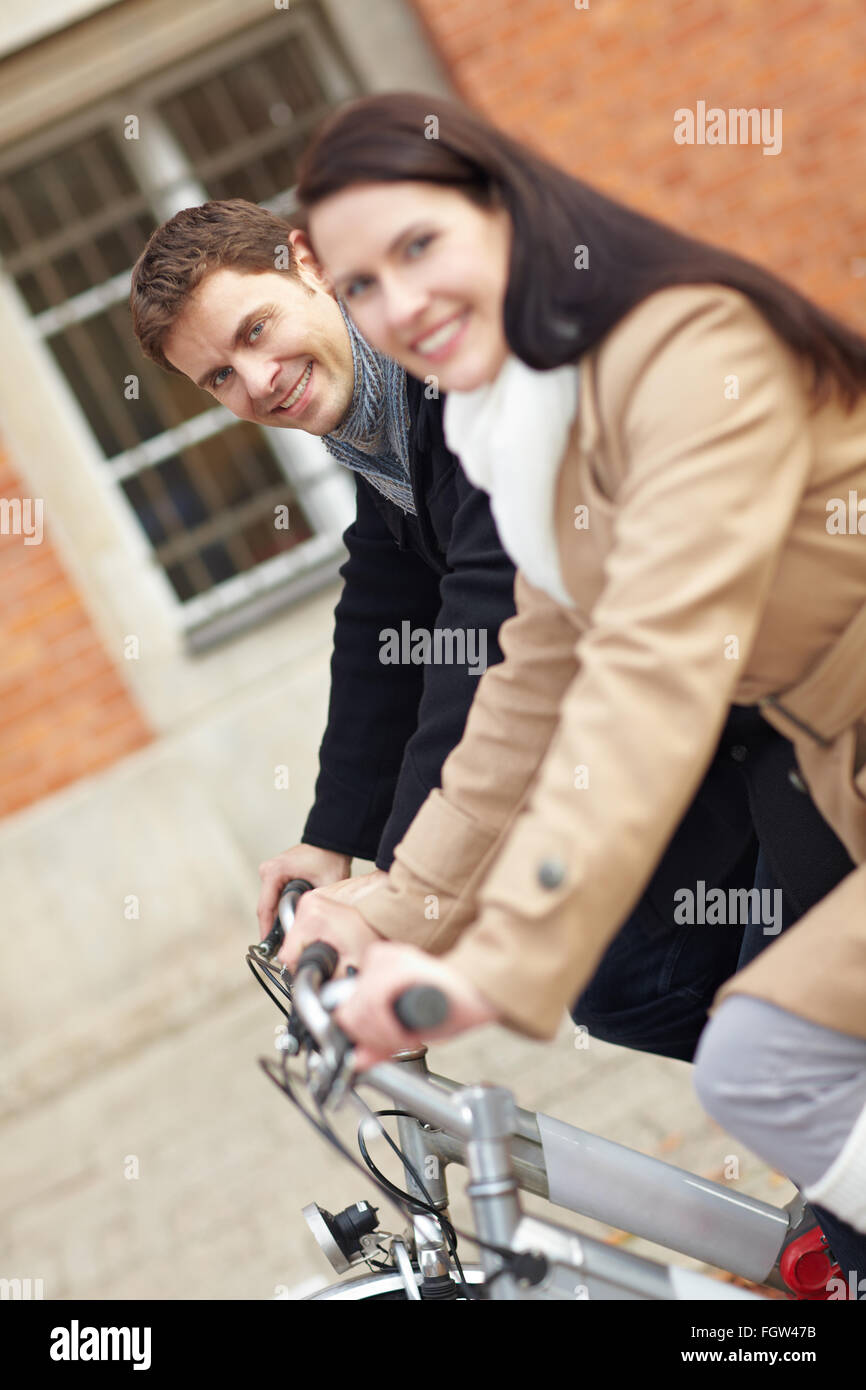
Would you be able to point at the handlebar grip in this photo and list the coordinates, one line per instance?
(273, 941)
(421, 1006)
(321, 955)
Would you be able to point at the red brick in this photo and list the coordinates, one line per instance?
(65, 710)
(544, 70)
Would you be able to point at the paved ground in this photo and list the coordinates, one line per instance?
(176, 1171)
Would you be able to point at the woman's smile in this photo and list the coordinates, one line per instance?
(442, 341)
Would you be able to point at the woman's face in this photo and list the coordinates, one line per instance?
(423, 272)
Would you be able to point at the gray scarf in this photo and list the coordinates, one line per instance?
(373, 438)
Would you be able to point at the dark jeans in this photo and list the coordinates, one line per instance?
(748, 826)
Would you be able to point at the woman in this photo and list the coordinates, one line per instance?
(667, 433)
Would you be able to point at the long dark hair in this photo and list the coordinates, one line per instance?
(552, 313)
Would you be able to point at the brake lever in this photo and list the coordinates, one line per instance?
(286, 904)
(329, 1084)
(330, 1068)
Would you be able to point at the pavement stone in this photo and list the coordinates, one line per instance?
(224, 1165)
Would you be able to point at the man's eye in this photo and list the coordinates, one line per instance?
(253, 334)
(219, 379)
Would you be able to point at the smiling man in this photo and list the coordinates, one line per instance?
(229, 295)
(289, 345)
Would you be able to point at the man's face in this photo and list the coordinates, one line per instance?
(272, 348)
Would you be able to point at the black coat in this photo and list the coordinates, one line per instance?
(391, 727)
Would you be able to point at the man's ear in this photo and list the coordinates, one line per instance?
(305, 257)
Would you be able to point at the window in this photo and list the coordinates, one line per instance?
(211, 494)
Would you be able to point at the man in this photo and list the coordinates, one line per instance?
(275, 347)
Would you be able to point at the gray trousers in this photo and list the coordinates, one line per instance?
(794, 1093)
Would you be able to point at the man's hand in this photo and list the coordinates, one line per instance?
(319, 918)
(389, 968)
(318, 866)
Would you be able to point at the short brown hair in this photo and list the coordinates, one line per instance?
(178, 255)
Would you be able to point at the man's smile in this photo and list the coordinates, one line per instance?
(297, 392)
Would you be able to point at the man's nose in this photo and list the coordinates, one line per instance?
(260, 378)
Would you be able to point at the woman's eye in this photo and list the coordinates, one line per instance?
(219, 378)
(418, 244)
(253, 334)
(356, 287)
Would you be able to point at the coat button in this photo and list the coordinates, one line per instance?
(796, 780)
(739, 752)
(551, 873)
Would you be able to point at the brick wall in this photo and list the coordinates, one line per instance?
(596, 90)
(64, 708)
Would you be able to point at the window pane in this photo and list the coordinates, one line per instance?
(244, 128)
(97, 357)
(76, 218)
(217, 509)
(71, 221)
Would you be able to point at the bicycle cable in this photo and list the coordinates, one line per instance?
(445, 1224)
(522, 1264)
(396, 1195)
(516, 1263)
(256, 966)
(327, 1132)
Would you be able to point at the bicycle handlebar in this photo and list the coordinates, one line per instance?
(286, 905)
(419, 1007)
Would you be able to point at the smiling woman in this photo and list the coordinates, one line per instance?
(423, 276)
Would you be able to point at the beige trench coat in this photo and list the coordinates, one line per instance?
(709, 567)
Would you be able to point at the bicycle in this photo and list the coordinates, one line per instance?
(505, 1149)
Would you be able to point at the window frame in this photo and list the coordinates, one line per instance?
(323, 490)
(43, 430)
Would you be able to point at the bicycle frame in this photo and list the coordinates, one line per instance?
(594, 1177)
(506, 1148)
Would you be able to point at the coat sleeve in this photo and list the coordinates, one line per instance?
(710, 491)
(477, 594)
(373, 708)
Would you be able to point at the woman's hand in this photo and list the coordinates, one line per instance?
(389, 968)
(319, 917)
